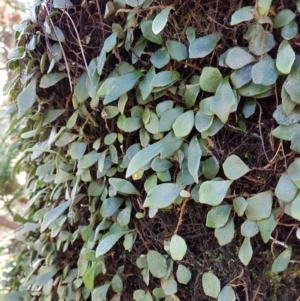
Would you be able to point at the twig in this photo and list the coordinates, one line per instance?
(182, 209)
(277, 242)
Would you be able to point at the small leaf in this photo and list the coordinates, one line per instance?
(161, 20)
(285, 57)
(227, 294)
(183, 125)
(237, 58)
(286, 132)
(283, 18)
(210, 167)
(162, 195)
(263, 7)
(294, 170)
(177, 50)
(264, 73)
(259, 206)
(210, 78)
(157, 264)
(218, 216)
(178, 247)
(240, 205)
(145, 83)
(291, 86)
(77, 150)
(241, 15)
(108, 242)
(53, 214)
(100, 292)
(282, 261)
(123, 186)
(165, 78)
(51, 115)
(213, 192)
(225, 234)
(285, 190)
(245, 253)
(160, 58)
(62, 4)
(135, 3)
(234, 167)
(249, 108)
(249, 228)
(146, 27)
(241, 77)
(290, 30)
(110, 206)
(202, 121)
(266, 227)
(169, 286)
(194, 157)
(26, 98)
(183, 274)
(117, 284)
(203, 46)
(51, 79)
(211, 284)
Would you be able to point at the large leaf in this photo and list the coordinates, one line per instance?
(234, 167)
(162, 195)
(108, 242)
(53, 214)
(26, 98)
(213, 192)
(114, 87)
(178, 247)
(283, 18)
(203, 46)
(211, 284)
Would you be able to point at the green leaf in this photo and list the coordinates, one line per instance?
(99, 294)
(264, 73)
(245, 253)
(252, 89)
(13, 295)
(210, 168)
(266, 227)
(243, 14)
(184, 124)
(286, 132)
(53, 214)
(88, 160)
(249, 228)
(51, 79)
(290, 30)
(291, 86)
(169, 286)
(225, 234)
(281, 262)
(263, 7)
(194, 157)
(110, 206)
(160, 58)
(295, 208)
(45, 274)
(241, 76)
(183, 274)
(210, 78)
(285, 190)
(213, 192)
(146, 27)
(283, 18)
(144, 85)
(161, 20)
(285, 57)
(108, 242)
(218, 216)
(162, 195)
(26, 98)
(249, 108)
(164, 78)
(223, 101)
(117, 284)
(157, 264)
(89, 277)
(168, 118)
(294, 170)
(177, 50)
(144, 156)
(234, 168)
(115, 87)
(51, 115)
(203, 46)
(202, 121)
(211, 284)
(259, 206)
(227, 294)
(123, 186)
(190, 34)
(281, 118)
(62, 4)
(178, 247)
(240, 205)
(238, 57)
(77, 150)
